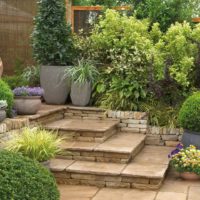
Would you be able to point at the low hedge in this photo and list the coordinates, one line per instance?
(24, 179)
(189, 114)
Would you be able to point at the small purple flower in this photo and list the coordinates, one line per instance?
(28, 91)
(175, 151)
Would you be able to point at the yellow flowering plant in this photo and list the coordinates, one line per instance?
(187, 160)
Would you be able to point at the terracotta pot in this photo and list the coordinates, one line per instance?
(1, 67)
(28, 105)
(189, 176)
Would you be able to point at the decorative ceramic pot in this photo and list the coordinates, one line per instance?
(81, 93)
(2, 115)
(55, 84)
(1, 67)
(189, 176)
(191, 138)
(27, 105)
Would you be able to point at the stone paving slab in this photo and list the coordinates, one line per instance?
(171, 196)
(79, 145)
(82, 125)
(96, 168)
(124, 194)
(174, 188)
(149, 170)
(121, 143)
(58, 165)
(77, 192)
(194, 193)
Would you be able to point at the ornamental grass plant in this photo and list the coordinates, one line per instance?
(37, 144)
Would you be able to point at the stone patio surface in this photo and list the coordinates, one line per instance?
(173, 188)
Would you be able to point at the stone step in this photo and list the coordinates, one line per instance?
(147, 171)
(84, 130)
(120, 148)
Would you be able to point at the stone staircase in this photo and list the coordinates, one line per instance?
(96, 152)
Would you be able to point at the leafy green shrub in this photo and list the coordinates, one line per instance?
(166, 12)
(51, 37)
(37, 144)
(23, 179)
(6, 94)
(84, 71)
(189, 114)
(15, 81)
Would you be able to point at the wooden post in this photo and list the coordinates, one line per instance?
(69, 11)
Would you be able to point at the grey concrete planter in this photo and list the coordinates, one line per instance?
(56, 86)
(191, 138)
(2, 115)
(81, 93)
(28, 105)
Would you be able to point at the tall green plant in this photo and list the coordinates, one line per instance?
(167, 12)
(51, 38)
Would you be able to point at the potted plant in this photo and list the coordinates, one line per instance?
(189, 120)
(27, 100)
(3, 107)
(53, 49)
(186, 161)
(1, 67)
(82, 76)
(36, 143)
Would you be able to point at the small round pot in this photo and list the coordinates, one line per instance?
(81, 93)
(189, 176)
(28, 105)
(191, 138)
(2, 115)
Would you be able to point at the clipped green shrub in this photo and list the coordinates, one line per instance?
(189, 114)
(6, 94)
(23, 179)
(51, 38)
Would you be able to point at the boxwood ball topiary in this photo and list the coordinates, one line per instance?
(24, 179)
(6, 94)
(189, 114)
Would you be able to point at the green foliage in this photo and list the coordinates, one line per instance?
(24, 179)
(83, 72)
(6, 94)
(189, 114)
(37, 144)
(187, 160)
(15, 81)
(160, 114)
(107, 3)
(31, 75)
(51, 37)
(167, 12)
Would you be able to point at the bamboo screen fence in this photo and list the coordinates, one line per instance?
(16, 23)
